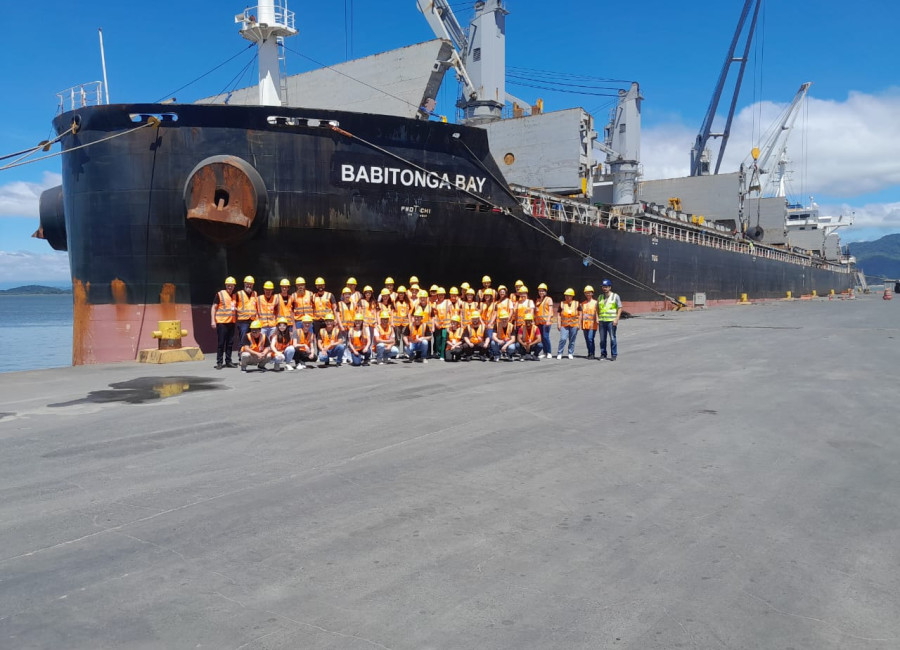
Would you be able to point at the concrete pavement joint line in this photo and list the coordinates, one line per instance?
(300, 623)
(149, 543)
(812, 618)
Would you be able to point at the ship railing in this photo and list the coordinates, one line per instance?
(88, 94)
(544, 205)
(284, 17)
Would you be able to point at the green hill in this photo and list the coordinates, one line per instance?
(34, 290)
(880, 257)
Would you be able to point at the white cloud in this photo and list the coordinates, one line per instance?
(20, 198)
(850, 146)
(19, 266)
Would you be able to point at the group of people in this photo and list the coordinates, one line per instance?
(293, 328)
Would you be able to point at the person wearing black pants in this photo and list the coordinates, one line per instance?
(223, 317)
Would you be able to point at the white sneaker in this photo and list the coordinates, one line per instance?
(290, 368)
(424, 360)
(571, 357)
(559, 356)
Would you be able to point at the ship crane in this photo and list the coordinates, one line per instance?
(775, 146)
(479, 56)
(700, 162)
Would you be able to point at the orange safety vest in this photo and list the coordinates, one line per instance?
(487, 312)
(327, 339)
(285, 307)
(441, 314)
(454, 336)
(304, 338)
(507, 304)
(544, 311)
(359, 338)
(302, 304)
(568, 314)
(246, 305)
(529, 335)
(225, 309)
(279, 344)
(322, 305)
(368, 307)
(476, 334)
(524, 307)
(388, 334)
(258, 345)
(589, 315)
(469, 308)
(426, 309)
(505, 333)
(417, 332)
(267, 309)
(454, 308)
(346, 310)
(401, 313)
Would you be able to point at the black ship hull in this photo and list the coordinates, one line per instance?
(156, 216)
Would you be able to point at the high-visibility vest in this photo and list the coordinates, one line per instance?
(442, 314)
(281, 344)
(589, 315)
(506, 305)
(346, 310)
(302, 304)
(505, 333)
(469, 308)
(476, 334)
(386, 334)
(401, 313)
(368, 310)
(454, 336)
(267, 309)
(488, 311)
(524, 307)
(256, 345)
(246, 305)
(427, 311)
(327, 338)
(285, 306)
(544, 311)
(322, 305)
(568, 314)
(529, 335)
(416, 332)
(225, 309)
(303, 338)
(359, 338)
(454, 308)
(608, 307)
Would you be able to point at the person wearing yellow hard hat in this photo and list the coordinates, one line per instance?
(223, 317)
(389, 285)
(416, 337)
(281, 341)
(543, 318)
(485, 284)
(247, 307)
(488, 309)
(345, 310)
(432, 294)
(567, 319)
(255, 347)
(301, 301)
(400, 315)
(424, 306)
(503, 343)
(359, 341)
(589, 322)
(413, 280)
(469, 307)
(475, 340)
(524, 305)
(268, 308)
(503, 300)
(324, 303)
(330, 342)
(369, 307)
(386, 303)
(303, 349)
(384, 337)
(528, 339)
(454, 346)
(610, 310)
(440, 309)
(285, 303)
(354, 294)
(454, 305)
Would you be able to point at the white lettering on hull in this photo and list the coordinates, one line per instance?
(371, 175)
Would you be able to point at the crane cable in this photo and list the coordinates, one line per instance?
(544, 230)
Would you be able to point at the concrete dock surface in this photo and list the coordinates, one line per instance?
(731, 481)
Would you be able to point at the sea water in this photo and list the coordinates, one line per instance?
(35, 332)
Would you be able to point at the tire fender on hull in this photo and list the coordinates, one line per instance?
(225, 198)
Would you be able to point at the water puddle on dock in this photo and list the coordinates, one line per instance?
(145, 389)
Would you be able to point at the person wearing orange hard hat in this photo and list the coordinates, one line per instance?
(543, 318)
(223, 316)
(247, 307)
(567, 319)
(255, 347)
(589, 322)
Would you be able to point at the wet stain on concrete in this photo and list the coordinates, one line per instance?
(6, 415)
(145, 389)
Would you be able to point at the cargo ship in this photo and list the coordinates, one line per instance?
(160, 202)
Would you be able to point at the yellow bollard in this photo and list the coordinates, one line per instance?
(744, 299)
(789, 295)
(814, 294)
(169, 348)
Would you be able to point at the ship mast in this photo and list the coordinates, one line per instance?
(266, 24)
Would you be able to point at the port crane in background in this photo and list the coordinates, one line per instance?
(700, 154)
(772, 158)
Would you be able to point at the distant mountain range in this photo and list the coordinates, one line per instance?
(880, 257)
(34, 290)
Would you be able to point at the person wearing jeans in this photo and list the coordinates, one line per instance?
(331, 345)
(543, 318)
(589, 320)
(610, 310)
(567, 323)
(384, 339)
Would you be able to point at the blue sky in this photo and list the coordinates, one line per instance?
(673, 49)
